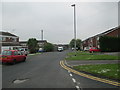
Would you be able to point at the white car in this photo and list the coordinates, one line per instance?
(24, 51)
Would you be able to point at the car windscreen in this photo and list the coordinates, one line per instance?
(6, 53)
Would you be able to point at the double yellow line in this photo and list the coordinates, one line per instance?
(89, 76)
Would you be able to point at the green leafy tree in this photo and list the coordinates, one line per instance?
(32, 45)
(48, 47)
(78, 43)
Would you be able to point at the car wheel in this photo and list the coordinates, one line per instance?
(24, 59)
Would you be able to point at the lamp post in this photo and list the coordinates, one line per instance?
(41, 34)
(74, 26)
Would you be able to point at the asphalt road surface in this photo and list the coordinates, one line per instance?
(44, 71)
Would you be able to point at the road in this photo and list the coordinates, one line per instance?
(44, 71)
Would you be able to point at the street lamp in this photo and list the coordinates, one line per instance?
(74, 26)
(41, 34)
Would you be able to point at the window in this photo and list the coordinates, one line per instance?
(0, 38)
(3, 38)
(19, 53)
(14, 39)
(6, 53)
(97, 38)
(15, 53)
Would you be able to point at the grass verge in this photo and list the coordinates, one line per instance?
(106, 70)
(89, 56)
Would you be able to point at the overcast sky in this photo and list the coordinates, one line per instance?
(27, 19)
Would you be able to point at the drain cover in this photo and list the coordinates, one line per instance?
(17, 81)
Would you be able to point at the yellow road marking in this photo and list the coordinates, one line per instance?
(89, 76)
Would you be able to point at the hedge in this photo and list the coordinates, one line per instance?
(109, 44)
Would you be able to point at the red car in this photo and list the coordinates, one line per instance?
(12, 56)
(94, 49)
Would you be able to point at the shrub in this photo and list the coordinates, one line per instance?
(109, 43)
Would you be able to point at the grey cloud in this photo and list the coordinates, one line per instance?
(56, 19)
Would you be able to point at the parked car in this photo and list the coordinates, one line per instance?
(24, 51)
(74, 48)
(41, 50)
(86, 48)
(12, 56)
(94, 49)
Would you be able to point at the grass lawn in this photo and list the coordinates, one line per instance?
(108, 70)
(89, 56)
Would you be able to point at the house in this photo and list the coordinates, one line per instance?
(8, 41)
(94, 41)
(40, 43)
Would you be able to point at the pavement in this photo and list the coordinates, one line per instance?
(110, 53)
(90, 62)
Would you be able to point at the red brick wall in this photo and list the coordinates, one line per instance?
(114, 33)
(94, 42)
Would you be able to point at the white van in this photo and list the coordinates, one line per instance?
(60, 49)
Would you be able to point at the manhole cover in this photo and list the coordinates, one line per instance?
(17, 81)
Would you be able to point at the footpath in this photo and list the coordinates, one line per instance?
(90, 62)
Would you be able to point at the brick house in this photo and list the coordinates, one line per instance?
(94, 41)
(8, 41)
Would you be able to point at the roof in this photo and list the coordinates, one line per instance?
(42, 41)
(108, 31)
(104, 33)
(7, 34)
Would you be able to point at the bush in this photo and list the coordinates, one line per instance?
(48, 47)
(109, 44)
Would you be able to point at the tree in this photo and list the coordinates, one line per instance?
(32, 45)
(78, 43)
(48, 47)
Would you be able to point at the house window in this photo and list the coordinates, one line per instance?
(3, 38)
(14, 39)
(0, 38)
(97, 38)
